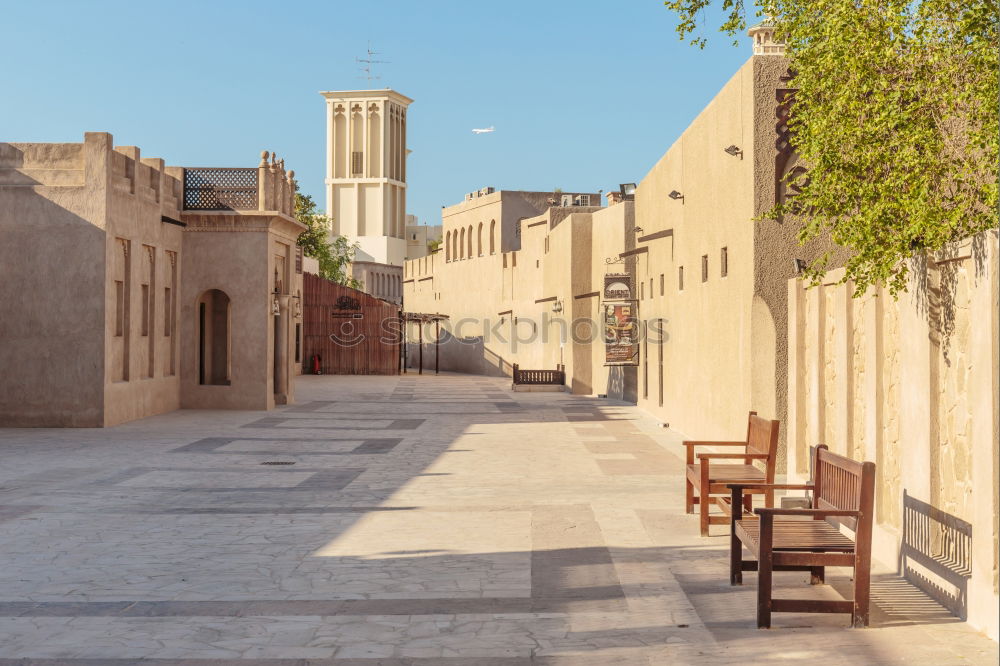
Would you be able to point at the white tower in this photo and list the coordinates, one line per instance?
(366, 171)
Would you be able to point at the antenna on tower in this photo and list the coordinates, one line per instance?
(365, 65)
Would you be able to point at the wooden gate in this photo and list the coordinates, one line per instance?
(352, 332)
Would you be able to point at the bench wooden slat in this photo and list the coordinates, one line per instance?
(797, 535)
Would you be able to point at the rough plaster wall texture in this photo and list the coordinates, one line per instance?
(50, 164)
(951, 454)
(808, 388)
(135, 208)
(832, 406)
(889, 472)
(857, 442)
(218, 260)
(53, 352)
(797, 384)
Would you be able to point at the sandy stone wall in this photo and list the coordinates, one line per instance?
(911, 384)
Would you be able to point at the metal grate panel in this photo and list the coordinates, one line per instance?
(220, 189)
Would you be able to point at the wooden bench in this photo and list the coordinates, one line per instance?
(708, 480)
(787, 540)
(555, 377)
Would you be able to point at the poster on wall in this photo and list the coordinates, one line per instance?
(621, 333)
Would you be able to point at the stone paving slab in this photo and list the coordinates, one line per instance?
(420, 520)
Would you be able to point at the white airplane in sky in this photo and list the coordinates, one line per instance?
(484, 130)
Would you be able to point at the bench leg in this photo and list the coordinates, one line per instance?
(688, 496)
(735, 546)
(862, 590)
(703, 499)
(817, 575)
(764, 564)
(735, 560)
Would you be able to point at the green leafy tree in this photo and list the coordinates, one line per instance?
(894, 117)
(334, 256)
(433, 245)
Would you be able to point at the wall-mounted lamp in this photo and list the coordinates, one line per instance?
(734, 150)
(627, 191)
(275, 307)
(674, 194)
(800, 266)
(638, 230)
(557, 306)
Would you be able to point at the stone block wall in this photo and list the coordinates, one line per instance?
(911, 384)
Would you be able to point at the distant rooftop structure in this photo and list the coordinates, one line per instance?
(764, 42)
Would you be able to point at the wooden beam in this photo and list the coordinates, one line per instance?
(638, 250)
(666, 233)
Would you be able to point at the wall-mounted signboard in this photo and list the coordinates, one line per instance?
(621, 332)
(617, 287)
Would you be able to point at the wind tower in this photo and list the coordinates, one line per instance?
(366, 171)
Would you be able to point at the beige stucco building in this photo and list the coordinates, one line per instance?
(418, 237)
(132, 288)
(710, 271)
(705, 270)
(515, 269)
(366, 182)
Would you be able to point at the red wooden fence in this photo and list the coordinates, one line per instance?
(352, 332)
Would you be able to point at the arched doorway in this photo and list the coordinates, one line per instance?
(214, 343)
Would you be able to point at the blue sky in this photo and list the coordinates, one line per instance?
(584, 95)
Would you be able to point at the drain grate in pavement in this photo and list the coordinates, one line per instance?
(277, 462)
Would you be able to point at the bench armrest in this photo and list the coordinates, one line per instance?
(732, 456)
(772, 486)
(694, 442)
(817, 513)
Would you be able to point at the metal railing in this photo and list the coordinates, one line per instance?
(216, 188)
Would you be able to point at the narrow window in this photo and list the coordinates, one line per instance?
(645, 356)
(119, 308)
(357, 163)
(642, 290)
(680, 278)
(704, 268)
(145, 310)
(167, 306)
(661, 284)
(298, 343)
(724, 262)
(650, 287)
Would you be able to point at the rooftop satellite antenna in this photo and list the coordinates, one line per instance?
(365, 65)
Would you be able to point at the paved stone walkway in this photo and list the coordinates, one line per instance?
(425, 520)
